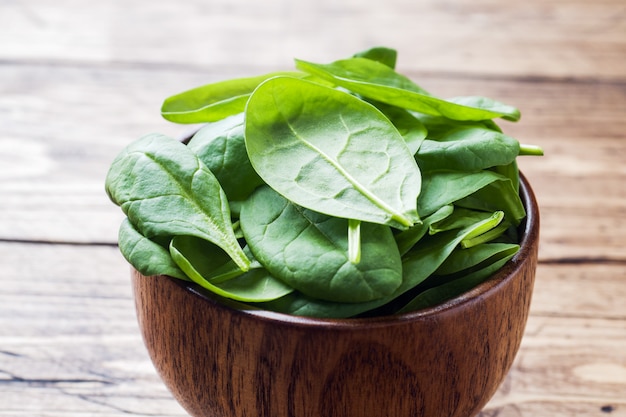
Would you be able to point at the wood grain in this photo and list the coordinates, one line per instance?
(445, 361)
(558, 38)
(70, 344)
(222, 359)
(79, 80)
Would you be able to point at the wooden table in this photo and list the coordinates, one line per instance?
(79, 80)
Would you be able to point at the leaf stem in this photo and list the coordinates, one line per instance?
(354, 241)
(530, 150)
(485, 237)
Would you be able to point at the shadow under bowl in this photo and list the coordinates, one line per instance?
(220, 358)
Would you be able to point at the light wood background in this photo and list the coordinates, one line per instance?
(81, 79)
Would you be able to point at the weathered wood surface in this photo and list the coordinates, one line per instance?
(79, 80)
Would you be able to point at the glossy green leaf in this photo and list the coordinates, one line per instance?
(487, 236)
(440, 126)
(465, 282)
(408, 238)
(215, 101)
(328, 151)
(463, 260)
(462, 217)
(377, 81)
(165, 191)
(201, 260)
(440, 188)
(145, 255)
(497, 195)
(468, 149)
(221, 147)
(417, 266)
(386, 56)
(410, 127)
(510, 171)
(310, 251)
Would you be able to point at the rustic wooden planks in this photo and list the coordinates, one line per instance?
(70, 342)
(79, 80)
(560, 38)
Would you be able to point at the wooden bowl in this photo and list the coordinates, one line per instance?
(222, 359)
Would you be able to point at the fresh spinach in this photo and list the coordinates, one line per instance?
(345, 158)
(146, 255)
(377, 81)
(220, 145)
(213, 102)
(417, 265)
(210, 267)
(461, 282)
(468, 149)
(337, 190)
(166, 191)
(309, 250)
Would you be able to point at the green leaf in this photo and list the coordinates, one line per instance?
(466, 282)
(145, 255)
(468, 149)
(377, 81)
(165, 191)
(410, 127)
(487, 236)
(201, 260)
(408, 238)
(328, 151)
(417, 266)
(386, 56)
(510, 171)
(310, 251)
(213, 102)
(462, 217)
(221, 147)
(440, 126)
(498, 195)
(461, 261)
(440, 188)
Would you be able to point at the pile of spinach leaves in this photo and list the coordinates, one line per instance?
(335, 190)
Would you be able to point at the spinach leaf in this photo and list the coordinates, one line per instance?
(165, 191)
(369, 78)
(461, 260)
(331, 152)
(510, 171)
(454, 288)
(201, 259)
(467, 149)
(497, 195)
(309, 250)
(377, 81)
(462, 217)
(439, 126)
(487, 236)
(408, 238)
(221, 147)
(145, 255)
(352, 190)
(386, 56)
(440, 188)
(409, 126)
(417, 266)
(215, 101)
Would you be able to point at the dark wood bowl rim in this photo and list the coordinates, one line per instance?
(529, 237)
